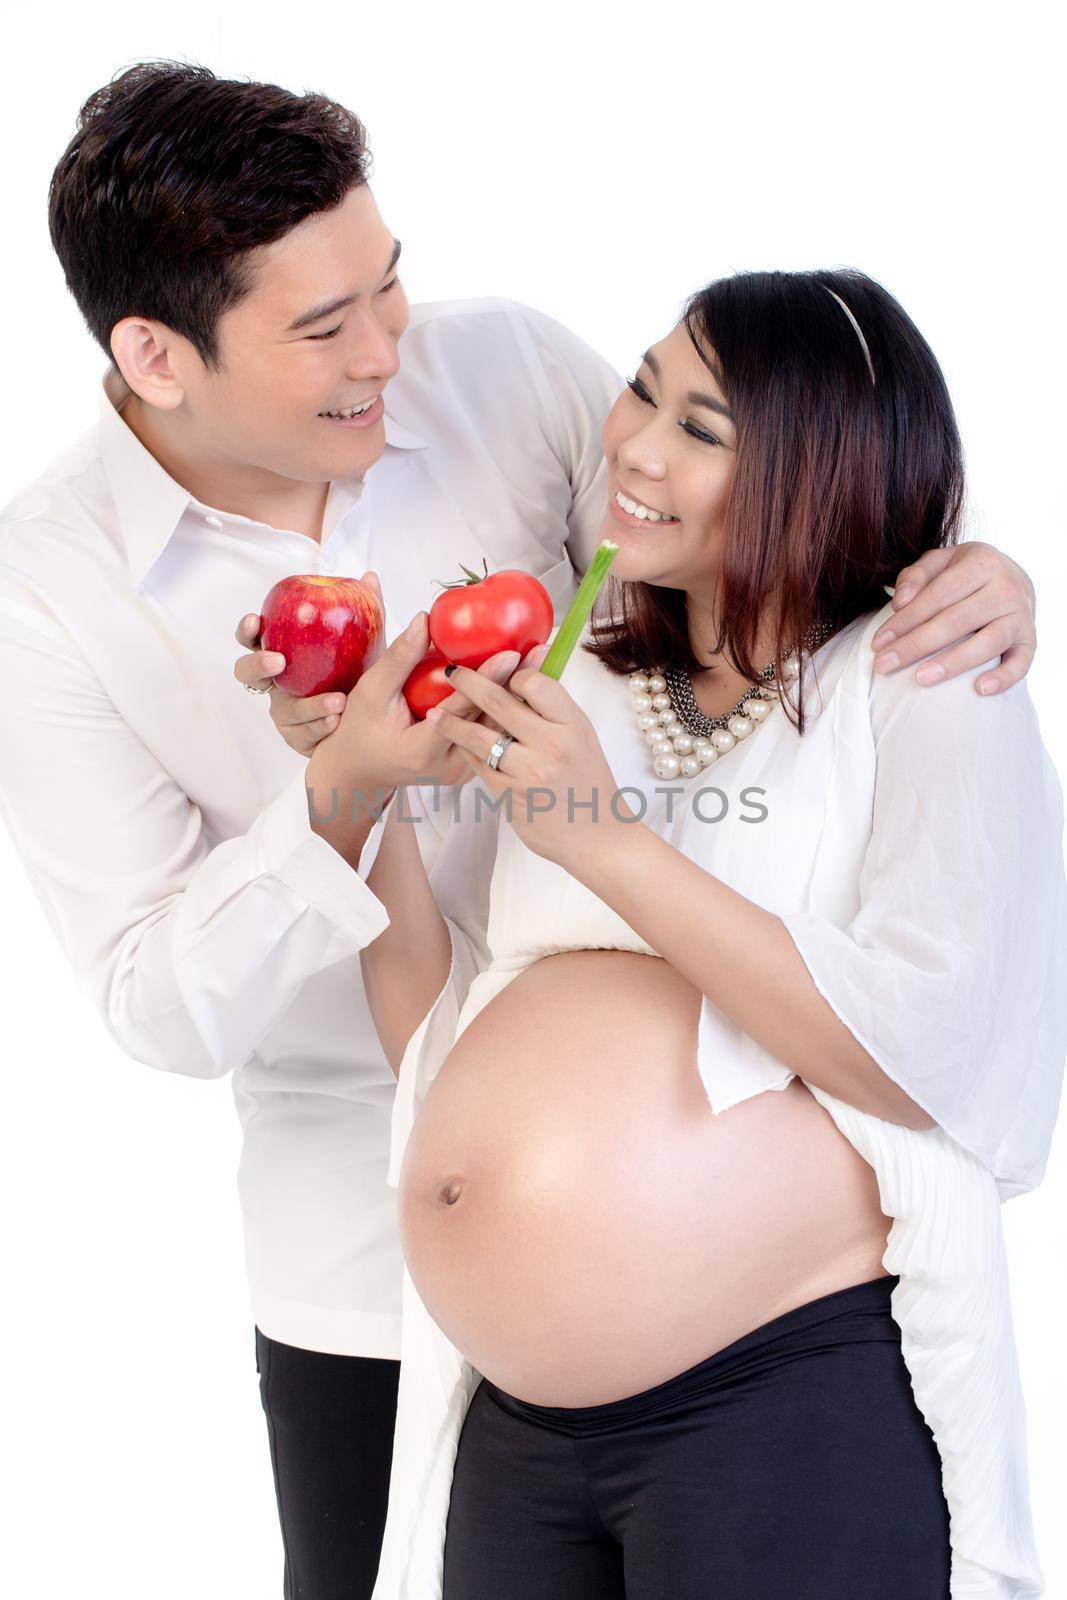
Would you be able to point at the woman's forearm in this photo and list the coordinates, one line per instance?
(743, 958)
(406, 967)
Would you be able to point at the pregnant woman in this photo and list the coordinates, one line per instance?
(724, 1004)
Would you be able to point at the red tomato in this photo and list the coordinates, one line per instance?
(507, 610)
(426, 684)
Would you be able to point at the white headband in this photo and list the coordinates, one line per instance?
(859, 330)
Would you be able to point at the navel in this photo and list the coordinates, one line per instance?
(450, 1192)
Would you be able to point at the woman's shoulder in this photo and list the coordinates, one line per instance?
(948, 734)
(951, 710)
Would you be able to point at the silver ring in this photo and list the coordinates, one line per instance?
(497, 749)
(252, 689)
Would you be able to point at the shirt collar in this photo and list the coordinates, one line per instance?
(150, 503)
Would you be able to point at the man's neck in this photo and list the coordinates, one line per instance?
(263, 497)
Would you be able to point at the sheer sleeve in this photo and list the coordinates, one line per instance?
(951, 972)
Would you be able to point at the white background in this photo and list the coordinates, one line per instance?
(598, 161)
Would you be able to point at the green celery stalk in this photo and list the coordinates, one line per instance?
(570, 629)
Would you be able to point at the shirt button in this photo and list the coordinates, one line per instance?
(213, 522)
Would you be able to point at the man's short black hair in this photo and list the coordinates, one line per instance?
(174, 176)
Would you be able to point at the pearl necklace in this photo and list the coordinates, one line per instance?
(682, 739)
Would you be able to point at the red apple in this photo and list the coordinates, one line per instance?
(325, 627)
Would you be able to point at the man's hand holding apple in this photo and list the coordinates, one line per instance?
(302, 721)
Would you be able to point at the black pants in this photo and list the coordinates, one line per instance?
(794, 1462)
(330, 1422)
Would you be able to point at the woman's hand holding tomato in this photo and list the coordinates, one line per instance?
(564, 798)
(381, 738)
(378, 743)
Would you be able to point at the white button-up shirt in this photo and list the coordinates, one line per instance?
(164, 823)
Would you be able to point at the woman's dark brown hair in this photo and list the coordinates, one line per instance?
(173, 179)
(838, 482)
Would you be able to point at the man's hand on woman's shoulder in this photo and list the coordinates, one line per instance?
(968, 589)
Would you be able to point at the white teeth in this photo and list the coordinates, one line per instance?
(636, 509)
(352, 411)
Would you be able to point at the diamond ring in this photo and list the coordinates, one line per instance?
(497, 750)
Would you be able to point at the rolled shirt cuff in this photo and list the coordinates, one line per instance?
(291, 851)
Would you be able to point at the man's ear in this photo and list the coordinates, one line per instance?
(147, 354)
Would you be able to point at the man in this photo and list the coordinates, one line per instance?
(227, 254)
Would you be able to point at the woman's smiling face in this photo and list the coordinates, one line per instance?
(669, 441)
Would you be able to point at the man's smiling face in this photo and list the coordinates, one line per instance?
(316, 334)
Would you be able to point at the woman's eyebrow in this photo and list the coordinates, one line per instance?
(711, 403)
(695, 399)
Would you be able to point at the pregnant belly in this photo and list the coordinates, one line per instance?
(579, 1223)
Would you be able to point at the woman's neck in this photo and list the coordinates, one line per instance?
(718, 686)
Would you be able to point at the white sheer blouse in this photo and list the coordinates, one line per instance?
(912, 845)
